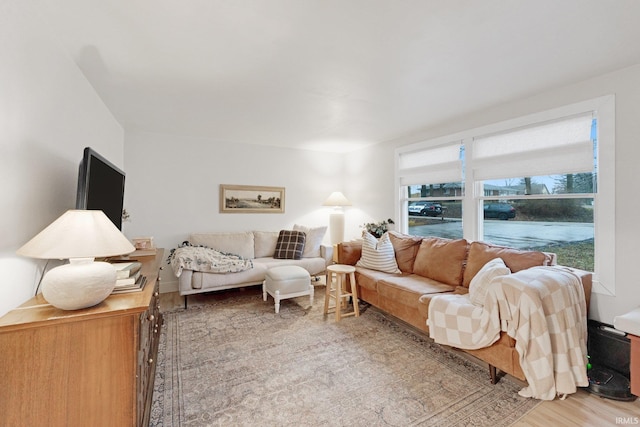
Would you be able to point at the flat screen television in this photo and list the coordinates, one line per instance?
(100, 186)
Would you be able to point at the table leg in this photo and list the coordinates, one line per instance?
(327, 292)
(354, 294)
(338, 296)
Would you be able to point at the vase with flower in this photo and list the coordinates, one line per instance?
(377, 229)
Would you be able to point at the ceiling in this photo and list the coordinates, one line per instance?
(332, 75)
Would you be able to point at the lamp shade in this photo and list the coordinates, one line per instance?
(336, 199)
(78, 234)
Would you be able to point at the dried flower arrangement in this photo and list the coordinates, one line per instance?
(378, 228)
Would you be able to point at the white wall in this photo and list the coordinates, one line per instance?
(625, 84)
(172, 187)
(48, 113)
(369, 179)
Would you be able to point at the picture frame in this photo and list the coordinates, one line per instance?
(142, 242)
(251, 199)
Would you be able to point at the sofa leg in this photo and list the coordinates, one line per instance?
(492, 374)
(185, 302)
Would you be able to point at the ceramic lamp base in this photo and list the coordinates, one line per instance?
(336, 227)
(80, 284)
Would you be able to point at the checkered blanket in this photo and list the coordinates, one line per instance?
(542, 308)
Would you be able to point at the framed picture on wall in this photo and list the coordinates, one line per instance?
(251, 199)
(143, 242)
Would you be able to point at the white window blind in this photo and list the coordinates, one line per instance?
(557, 147)
(433, 165)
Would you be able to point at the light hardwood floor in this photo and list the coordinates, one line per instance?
(581, 409)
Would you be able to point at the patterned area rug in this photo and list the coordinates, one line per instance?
(234, 362)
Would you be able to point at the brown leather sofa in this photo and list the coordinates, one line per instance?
(431, 266)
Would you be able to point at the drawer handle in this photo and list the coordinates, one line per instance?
(150, 361)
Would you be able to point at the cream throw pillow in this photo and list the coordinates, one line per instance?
(378, 254)
(479, 285)
(265, 243)
(313, 240)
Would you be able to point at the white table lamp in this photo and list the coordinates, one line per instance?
(80, 236)
(336, 219)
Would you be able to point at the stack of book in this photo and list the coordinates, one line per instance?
(129, 277)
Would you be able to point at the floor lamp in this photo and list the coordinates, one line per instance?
(336, 219)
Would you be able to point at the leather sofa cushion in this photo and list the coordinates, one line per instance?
(367, 278)
(406, 247)
(441, 259)
(407, 289)
(480, 253)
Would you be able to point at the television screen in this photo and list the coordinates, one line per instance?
(100, 186)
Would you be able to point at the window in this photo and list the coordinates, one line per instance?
(541, 182)
(432, 179)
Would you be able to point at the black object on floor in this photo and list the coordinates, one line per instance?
(610, 384)
(609, 351)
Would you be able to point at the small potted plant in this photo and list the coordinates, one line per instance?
(377, 229)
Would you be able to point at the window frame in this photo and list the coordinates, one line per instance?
(604, 199)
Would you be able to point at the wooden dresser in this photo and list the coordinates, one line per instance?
(89, 367)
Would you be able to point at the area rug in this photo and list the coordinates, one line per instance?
(234, 362)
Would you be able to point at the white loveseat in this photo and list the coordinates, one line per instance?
(258, 246)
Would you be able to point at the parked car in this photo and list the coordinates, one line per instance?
(425, 208)
(502, 211)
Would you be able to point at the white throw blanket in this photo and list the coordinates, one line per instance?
(542, 308)
(200, 258)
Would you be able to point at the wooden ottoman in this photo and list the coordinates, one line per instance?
(287, 282)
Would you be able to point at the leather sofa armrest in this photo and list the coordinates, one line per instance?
(348, 252)
(586, 277)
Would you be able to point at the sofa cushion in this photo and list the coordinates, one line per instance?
(290, 245)
(238, 243)
(367, 278)
(407, 289)
(480, 253)
(406, 247)
(378, 254)
(441, 259)
(480, 283)
(313, 240)
(315, 266)
(265, 243)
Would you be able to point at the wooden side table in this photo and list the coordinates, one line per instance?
(336, 280)
(630, 323)
(635, 364)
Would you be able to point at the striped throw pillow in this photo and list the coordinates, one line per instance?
(378, 254)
